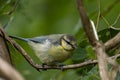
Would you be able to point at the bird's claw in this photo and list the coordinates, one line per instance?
(61, 66)
(43, 66)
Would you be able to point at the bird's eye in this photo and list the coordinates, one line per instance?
(67, 41)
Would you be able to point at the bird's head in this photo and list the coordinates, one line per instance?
(68, 42)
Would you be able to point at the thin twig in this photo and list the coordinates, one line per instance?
(99, 13)
(107, 9)
(13, 7)
(114, 28)
(115, 22)
(8, 23)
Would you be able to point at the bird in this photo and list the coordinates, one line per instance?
(52, 49)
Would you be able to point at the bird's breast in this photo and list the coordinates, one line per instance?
(59, 54)
(49, 53)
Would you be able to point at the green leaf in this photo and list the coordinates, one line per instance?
(80, 55)
(93, 74)
(90, 52)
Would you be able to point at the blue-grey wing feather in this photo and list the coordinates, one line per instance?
(38, 39)
(52, 38)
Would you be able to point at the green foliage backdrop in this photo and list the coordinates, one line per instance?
(43, 17)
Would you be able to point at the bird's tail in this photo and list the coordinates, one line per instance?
(20, 38)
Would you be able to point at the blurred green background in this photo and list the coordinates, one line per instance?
(44, 17)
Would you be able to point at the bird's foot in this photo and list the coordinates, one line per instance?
(43, 66)
(61, 66)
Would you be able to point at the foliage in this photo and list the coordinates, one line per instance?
(43, 17)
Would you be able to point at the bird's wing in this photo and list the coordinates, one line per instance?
(38, 39)
(53, 38)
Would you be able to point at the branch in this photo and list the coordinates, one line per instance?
(13, 7)
(112, 43)
(97, 46)
(86, 23)
(36, 66)
(19, 48)
(33, 64)
(4, 51)
(8, 72)
(115, 22)
(99, 13)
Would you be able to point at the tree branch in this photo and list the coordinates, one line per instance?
(97, 46)
(112, 43)
(4, 51)
(8, 72)
(102, 61)
(36, 66)
(86, 23)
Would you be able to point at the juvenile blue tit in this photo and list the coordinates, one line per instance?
(52, 49)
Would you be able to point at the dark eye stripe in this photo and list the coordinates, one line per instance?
(68, 42)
